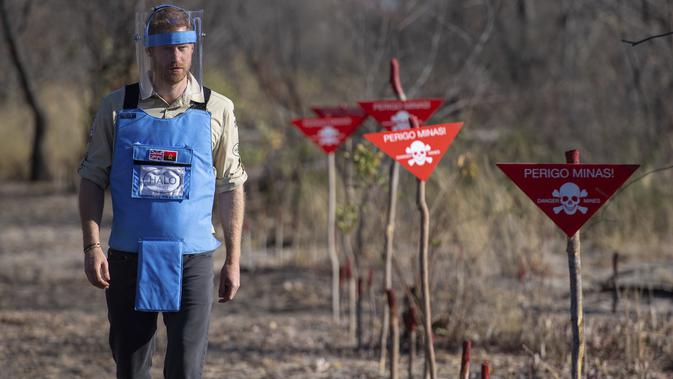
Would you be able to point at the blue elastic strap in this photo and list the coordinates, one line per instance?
(170, 38)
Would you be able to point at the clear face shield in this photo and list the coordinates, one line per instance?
(169, 47)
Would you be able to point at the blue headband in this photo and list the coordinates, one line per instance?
(170, 38)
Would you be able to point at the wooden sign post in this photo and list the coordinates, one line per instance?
(354, 301)
(328, 133)
(570, 194)
(419, 150)
(576, 303)
(394, 115)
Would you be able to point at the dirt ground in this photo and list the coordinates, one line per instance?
(53, 323)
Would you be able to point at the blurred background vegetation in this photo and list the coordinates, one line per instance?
(530, 80)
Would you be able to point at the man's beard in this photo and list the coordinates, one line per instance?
(174, 77)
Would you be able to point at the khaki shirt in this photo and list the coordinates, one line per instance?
(224, 135)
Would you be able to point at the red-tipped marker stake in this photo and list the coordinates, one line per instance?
(395, 79)
(485, 370)
(465, 361)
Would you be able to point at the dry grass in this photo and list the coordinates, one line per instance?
(499, 268)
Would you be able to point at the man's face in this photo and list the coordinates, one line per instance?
(171, 63)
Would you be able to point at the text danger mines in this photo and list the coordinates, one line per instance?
(410, 134)
(565, 173)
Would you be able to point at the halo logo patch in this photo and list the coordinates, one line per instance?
(162, 182)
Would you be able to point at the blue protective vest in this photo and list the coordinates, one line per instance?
(162, 179)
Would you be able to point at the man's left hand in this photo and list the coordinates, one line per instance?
(230, 281)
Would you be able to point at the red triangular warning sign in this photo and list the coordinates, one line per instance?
(328, 132)
(419, 150)
(568, 193)
(339, 111)
(394, 114)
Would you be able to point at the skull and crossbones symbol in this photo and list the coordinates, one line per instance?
(419, 153)
(328, 136)
(400, 120)
(570, 195)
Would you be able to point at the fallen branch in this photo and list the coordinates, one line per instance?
(634, 43)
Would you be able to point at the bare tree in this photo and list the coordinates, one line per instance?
(108, 27)
(38, 165)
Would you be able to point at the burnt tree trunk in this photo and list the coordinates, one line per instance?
(38, 166)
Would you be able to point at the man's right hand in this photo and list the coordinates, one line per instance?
(96, 268)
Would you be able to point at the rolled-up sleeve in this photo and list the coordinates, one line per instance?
(226, 155)
(95, 166)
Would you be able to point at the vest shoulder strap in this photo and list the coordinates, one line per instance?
(206, 97)
(131, 95)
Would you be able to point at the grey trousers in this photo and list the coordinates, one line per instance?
(132, 333)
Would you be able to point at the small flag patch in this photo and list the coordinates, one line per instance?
(163, 155)
(170, 156)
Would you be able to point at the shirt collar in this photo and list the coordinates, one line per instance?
(193, 93)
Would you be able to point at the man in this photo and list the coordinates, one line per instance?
(167, 147)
